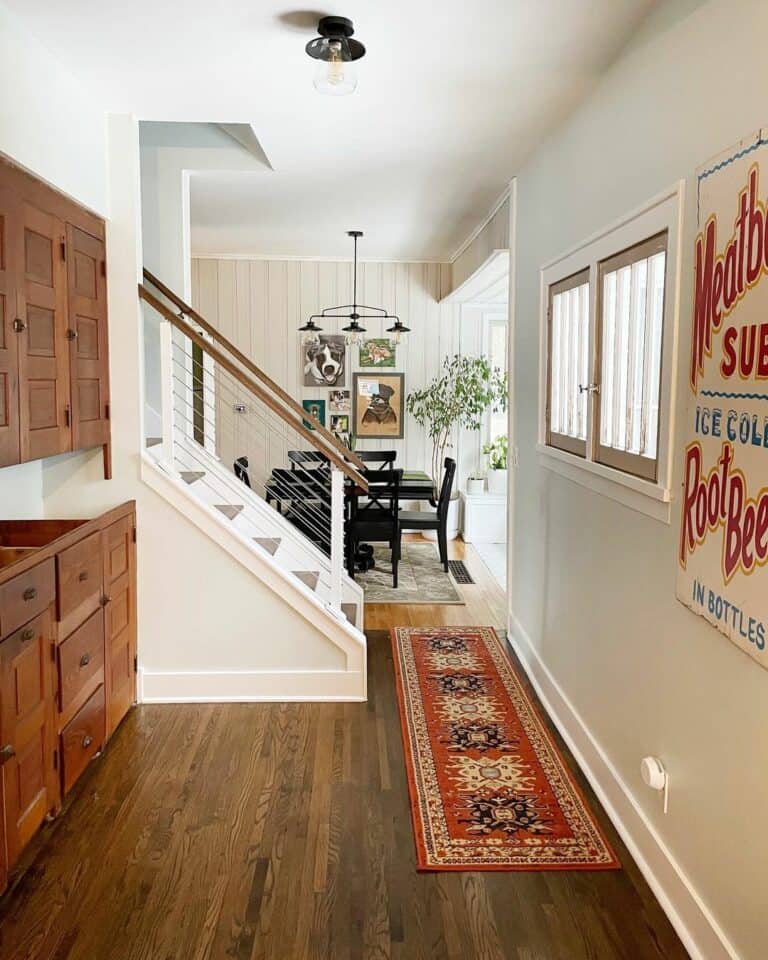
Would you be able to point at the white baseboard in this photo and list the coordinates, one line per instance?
(695, 925)
(245, 686)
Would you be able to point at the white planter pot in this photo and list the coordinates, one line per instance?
(452, 527)
(475, 486)
(497, 481)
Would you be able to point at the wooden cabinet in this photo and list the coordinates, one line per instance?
(54, 360)
(67, 659)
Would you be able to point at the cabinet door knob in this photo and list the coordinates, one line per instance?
(83, 576)
(87, 741)
(71, 334)
(105, 600)
(19, 326)
(6, 753)
(85, 659)
(27, 635)
(30, 593)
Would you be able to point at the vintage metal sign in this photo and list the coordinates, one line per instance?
(723, 548)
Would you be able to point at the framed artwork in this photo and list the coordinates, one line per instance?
(339, 426)
(340, 401)
(317, 409)
(325, 363)
(378, 405)
(377, 353)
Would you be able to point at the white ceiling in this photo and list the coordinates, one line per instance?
(451, 97)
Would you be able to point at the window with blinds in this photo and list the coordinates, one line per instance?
(630, 317)
(604, 360)
(567, 409)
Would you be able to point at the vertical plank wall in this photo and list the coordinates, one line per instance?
(259, 305)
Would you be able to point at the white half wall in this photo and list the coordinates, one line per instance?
(594, 582)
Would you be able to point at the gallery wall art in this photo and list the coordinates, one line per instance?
(317, 409)
(377, 353)
(378, 405)
(324, 362)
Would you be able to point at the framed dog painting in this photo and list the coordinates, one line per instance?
(377, 353)
(378, 405)
(325, 363)
(315, 408)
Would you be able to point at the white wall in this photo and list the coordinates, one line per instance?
(198, 609)
(54, 127)
(594, 584)
(259, 305)
(494, 235)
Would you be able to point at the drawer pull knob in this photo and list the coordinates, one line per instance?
(105, 600)
(83, 576)
(27, 635)
(6, 753)
(30, 593)
(87, 741)
(85, 659)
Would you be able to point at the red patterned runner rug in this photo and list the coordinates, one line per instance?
(488, 787)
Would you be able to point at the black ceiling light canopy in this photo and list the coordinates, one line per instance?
(335, 51)
(353, 330)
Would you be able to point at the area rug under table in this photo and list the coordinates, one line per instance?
(421, 578)
(488, 787)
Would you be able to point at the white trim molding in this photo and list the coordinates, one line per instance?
(700, 933)
(663, 213)
(245, 686)
(482, 225)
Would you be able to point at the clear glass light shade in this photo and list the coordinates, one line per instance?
(335, 75)
(310, 337)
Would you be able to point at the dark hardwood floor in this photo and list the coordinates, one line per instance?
(283, 831)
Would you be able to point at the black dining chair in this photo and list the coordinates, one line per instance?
(307, 459)
(415, 520)
(383, 457)
(376, 518)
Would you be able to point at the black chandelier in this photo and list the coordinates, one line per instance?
(353, 330)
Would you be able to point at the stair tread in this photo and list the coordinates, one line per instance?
(270, 544)
(190, 476)
(309, 577)
(154, 441)
(230, 510)
(350, 612)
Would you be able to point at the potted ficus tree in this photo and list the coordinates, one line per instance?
(497, 464)
(457, 398)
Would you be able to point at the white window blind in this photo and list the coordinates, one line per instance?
(630, 323)
(569, 363)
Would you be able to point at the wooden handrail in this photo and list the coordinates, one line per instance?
(250, 384)
(290, 401)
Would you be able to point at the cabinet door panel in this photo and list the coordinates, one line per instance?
(89, 362)
(9, 350)
(119, 619)
(44, 393)
(26, 731)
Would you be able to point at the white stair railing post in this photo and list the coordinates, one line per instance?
(337, 537)
(167, 405)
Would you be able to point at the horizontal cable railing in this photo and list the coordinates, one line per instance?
(222, 426)
(325, 438)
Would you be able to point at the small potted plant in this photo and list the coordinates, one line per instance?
(475, 484)
(497, 464)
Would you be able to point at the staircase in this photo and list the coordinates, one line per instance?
(288, 531)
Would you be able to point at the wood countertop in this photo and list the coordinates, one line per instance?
(25, 543)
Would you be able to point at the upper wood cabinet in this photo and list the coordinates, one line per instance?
(54, 360)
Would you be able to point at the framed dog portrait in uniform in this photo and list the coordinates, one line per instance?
(378, 405)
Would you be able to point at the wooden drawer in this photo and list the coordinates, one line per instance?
(26, 596)
(82, 738)
(81, 664)
(80, 575)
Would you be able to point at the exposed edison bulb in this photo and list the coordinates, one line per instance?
(396, 337)
(310, 338)
(336, 75)
(352, 338)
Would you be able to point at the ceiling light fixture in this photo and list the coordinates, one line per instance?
(354, 330)
(336, 52)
